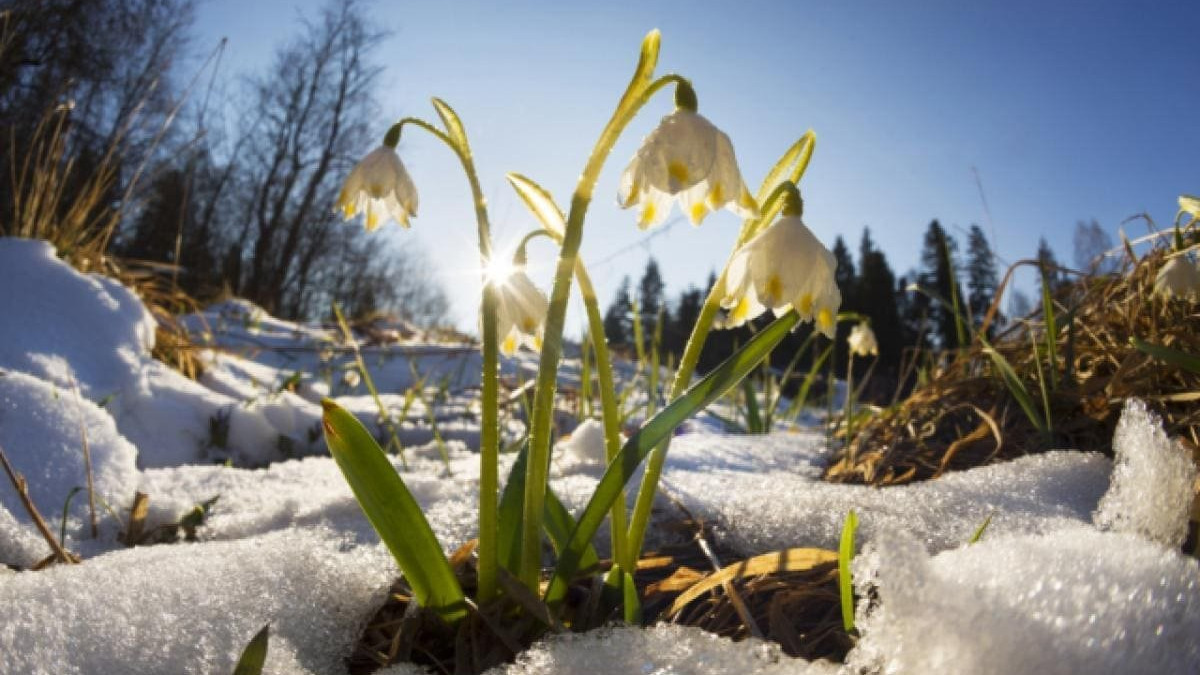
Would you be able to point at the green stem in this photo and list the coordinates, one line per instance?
(848, 413)
(608, 406)
(636, 96)
(687, 365)
(610, 411)
(489, 433)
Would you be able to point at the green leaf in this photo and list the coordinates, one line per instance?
(845, 555)
(393, 513)
(454, 127)
(1189, 362)
(632, 603)
(791, 166)
(1051, 322)
(1015, 386)
(754, 421)
(982, 528)
(625, 464)
(540, 202)
(254, 656)
(557, 520)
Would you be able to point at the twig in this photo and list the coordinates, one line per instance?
(18, 482)
(87, 460)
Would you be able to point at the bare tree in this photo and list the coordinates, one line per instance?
(1091, 243)
(314, 106)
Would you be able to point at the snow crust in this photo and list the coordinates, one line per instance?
(1079, 601)
(1152, 477)
(663, 649)
(193, 608)
(1078, 571)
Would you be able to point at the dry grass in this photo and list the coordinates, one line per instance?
(790, 598)
(965, 416)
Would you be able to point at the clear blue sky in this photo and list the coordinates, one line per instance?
(1069, 110)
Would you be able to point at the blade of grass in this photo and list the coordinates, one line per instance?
(845, 555)
(644, 440)
(384, 416)
(1015, 386)
(393, 512)
(1189, 362)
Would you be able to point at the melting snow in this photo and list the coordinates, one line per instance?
(1072, 575)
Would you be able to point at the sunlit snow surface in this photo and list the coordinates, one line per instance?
(1072, 574)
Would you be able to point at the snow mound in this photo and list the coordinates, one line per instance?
(60, 324)
(312, 492)
(88, 330)
(1077, 601)
(765, 494)
(193, 608)
(1152, 483)
(663, 649)
(41, 431)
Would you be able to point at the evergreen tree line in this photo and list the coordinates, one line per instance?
(910, 313)
(229, 178)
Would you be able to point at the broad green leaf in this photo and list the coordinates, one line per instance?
(393, 513)
(254, 656)
(845, 555)
(540, 202)
(1189, 362)
(625, 464)
(453, 124)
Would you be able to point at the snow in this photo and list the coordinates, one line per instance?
(664, 649)
(1153, 475)
(1080, 601)
(1078, 571)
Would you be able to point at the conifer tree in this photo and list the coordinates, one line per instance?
(938, 276)
(616, 318)
(876, 292)
(981, 276)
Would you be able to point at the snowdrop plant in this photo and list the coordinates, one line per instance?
(860, 342)
(686, 159)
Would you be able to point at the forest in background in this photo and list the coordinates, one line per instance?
(223, 183)
(113, 126)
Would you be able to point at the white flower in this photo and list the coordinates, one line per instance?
(520, 312)
(1190, 205)
(688, 158)
(862, 340)
(380, 186)
(1178, 278)
(351, 378)
(784, 266)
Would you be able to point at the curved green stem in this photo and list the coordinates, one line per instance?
(489, 434)
(636, 96)
(687, 367)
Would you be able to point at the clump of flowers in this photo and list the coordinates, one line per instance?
(783, 268)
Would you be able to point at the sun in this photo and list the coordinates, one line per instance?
(499, 270)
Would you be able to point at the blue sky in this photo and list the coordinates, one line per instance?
(1068, 111)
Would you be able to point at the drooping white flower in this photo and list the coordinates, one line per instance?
(520, 312)
(689, 159)
(1190, 205)
(783, 266)
(862, 341)
(379, 186)
(1178, 278)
